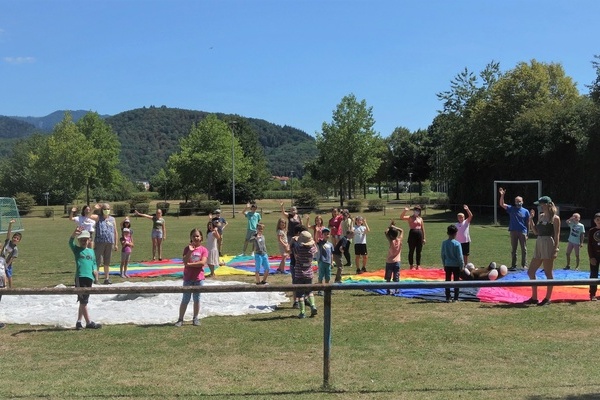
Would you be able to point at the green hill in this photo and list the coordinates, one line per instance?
(149, 135)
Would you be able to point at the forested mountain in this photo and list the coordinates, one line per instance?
(149, 135)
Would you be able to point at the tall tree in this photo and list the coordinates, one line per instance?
(351, 140)
(104, 160)
(205, 158)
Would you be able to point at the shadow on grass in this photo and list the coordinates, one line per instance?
(41, 330)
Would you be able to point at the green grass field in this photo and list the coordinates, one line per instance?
(382, 347)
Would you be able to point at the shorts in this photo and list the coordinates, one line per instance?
(360, 249)
(249, 234)
(324, 271)
(544, 248)
(303, 281)
(466, 247)
(125, 257)
(570, 248)
(157, 234)
(261, 260)
(9, 271)
(83, 282)
(103, 252)
(188, 295)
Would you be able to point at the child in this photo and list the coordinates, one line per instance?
(340, 249)
(261, 258)
(324, 261)
(394, 236)
(577, 231)
(282, 241)
(10, 252)
(361, 228)
(303, 272)
(317, 227)
(86, 273)
(593, 248)
(463, 237)
(126, 246)
(194, 259)
(346, 226)
(212, 243)
(452, 260)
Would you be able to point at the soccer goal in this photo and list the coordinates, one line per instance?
(9, 211)
(496, 186)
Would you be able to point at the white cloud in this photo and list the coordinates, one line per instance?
(19, 60)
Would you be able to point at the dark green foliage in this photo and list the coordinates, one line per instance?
(422, 200)
(25, 202)
(141, 197)
(354, 206)
(376, 205)
(46, 124)
(164, 206)
(11, 128)
(206, 207)
(186, 208)
(143, 208)
(121, 209)
(48, 212)
(442, 202)
(306, 199)
(278, 194)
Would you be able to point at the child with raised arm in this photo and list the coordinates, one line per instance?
(452, 260)
(361, 228)
(394, 235)
(575, 241)
(463, 235)
(317, 228)
(10, 251)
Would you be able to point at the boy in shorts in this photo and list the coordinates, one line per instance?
(86, 273)
(10, 252)
(575, 241)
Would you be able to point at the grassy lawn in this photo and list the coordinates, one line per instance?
(382, 347)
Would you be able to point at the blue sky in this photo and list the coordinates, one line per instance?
(289, 62)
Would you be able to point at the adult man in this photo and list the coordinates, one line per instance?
(517, 226)
(253, 218)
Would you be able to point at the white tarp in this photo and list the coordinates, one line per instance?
(146, 309)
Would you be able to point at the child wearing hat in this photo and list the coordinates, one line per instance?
(304, 253)
(86, 273)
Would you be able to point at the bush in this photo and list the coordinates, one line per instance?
(354, 206)
(141, 197)
(187, 208)
(442, 202)
(206, 207)
(376, 205)
(48, 212)
(306, 199)
(277, 194)
(25, 202)
(121, 209)
(142, 207)
(164, 206)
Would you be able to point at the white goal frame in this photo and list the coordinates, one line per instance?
(539, 186)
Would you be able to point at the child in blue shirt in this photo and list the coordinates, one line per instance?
(452, 259)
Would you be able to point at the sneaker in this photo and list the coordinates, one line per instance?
(196, 322)
(301, 315)
(264, 283)
(567, 267)
(530, 301)
(319, 293)
(545, 302)
(593, 298)
(78, 326)
(418, 267)
(512, 269)
(107, 282)
(2, 325)
(313, 312)
(348, 265)
(93, 325)
(358, 271)
(364, 269)
(241, 255)
(179, 322)
(295, 305)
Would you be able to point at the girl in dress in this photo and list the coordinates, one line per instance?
(212, 244)
(282, 241)
(126, 246)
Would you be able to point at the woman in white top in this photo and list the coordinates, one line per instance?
(463, 236)
(87, 220)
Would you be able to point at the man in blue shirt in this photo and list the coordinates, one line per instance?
(517, 226)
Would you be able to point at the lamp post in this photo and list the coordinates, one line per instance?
(291, 188)
(410, 187)
(46, 195)
(231, 126)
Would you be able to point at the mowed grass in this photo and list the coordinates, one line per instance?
(382, 347)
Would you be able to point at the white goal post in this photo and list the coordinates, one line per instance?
(539, 186)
